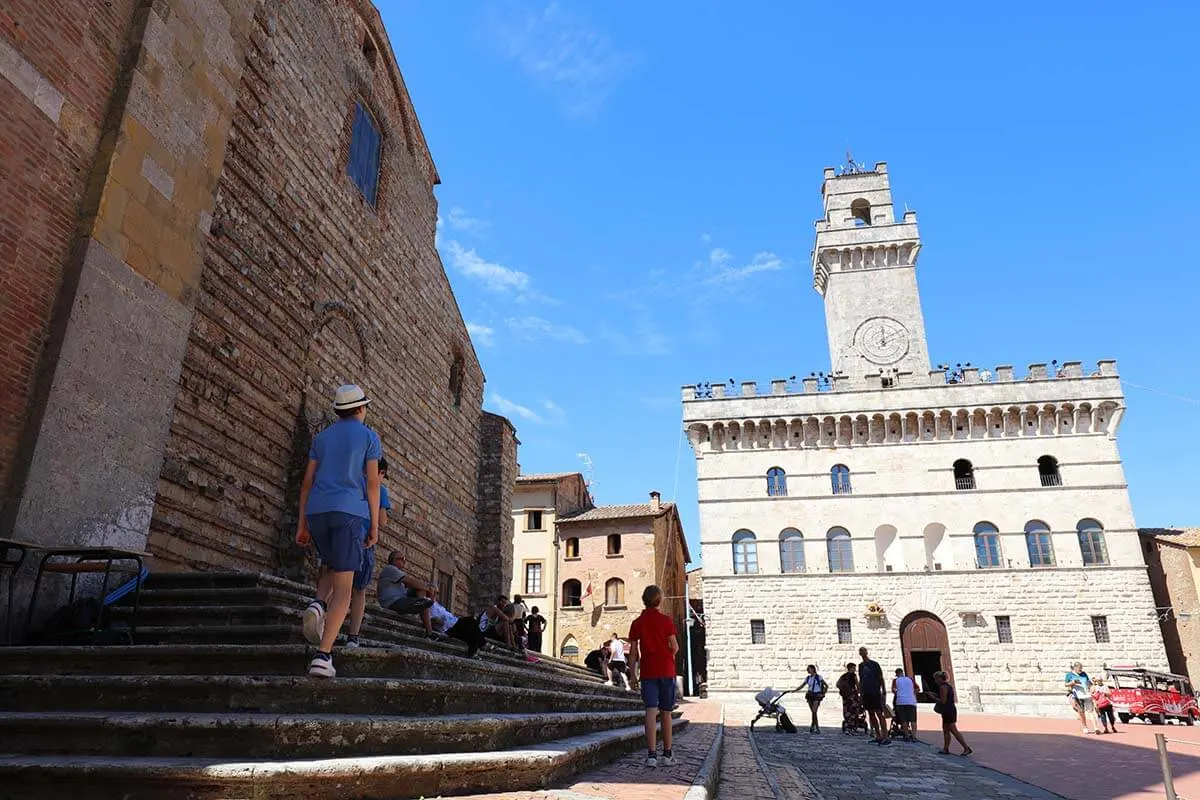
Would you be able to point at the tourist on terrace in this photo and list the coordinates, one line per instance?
(339, 516)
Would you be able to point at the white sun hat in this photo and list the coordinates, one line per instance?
(349, 397)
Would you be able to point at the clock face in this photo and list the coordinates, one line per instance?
(882, 340)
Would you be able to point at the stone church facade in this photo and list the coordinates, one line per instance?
(214, 212)
(958, 518)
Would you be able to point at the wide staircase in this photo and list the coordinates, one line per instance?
(213, 702)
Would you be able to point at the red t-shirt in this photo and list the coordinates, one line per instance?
(651, 631)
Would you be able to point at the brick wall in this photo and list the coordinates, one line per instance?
(59, 61)
(306, 287)
(1172, 579)
(492, 568)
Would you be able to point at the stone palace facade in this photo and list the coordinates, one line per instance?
(971, 520)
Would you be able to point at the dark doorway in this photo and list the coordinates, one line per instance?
(926, 648)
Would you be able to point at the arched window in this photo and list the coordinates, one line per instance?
(964, 474)
(1048, 471)
(1091, 543)
(791, 550)
(841, 554)
(776, 482)
(840, 476)
(614, 544)
(572, 594)
(570, 648)
(1041, 546)
(614, 592)
(745, 553)
(571, 548)
(987, 546)
(860, 209)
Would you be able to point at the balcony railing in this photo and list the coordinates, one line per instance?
(1051, 479)
(841, 489)
(965, 483)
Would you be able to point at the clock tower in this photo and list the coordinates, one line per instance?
(864, 265)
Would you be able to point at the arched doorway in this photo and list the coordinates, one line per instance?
(926, 648)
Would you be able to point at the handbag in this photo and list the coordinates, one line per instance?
(887, 711)
(938, 708)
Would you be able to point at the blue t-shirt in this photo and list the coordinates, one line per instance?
(384, 502)
(342, 451)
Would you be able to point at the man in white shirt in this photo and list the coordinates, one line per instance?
(616, 662)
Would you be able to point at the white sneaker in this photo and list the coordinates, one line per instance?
(652, 762)
(352, 643)
(667, 761)
(314, 623)
(321, 667)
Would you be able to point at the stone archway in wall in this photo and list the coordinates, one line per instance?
(925, 644)
(335, 355)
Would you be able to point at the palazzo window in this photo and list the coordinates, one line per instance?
(745, 553)
(571, 548)
(776, 482)
(841, 552)
(840, 477)
(1048, 471)
(1040, 544)
(791, 550)
(363, 166)
(614, 592)
(1092, 546)
(987, 546)
(572, 594)
(964, 474)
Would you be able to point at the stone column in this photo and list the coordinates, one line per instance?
(101, 416)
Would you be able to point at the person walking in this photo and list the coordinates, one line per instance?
(874, 694)
(616, 662)
(904, 693)
(1102, 697)
(815, 688)
(654, 644)
(852, 713)
(1079, 690)
(948, 708)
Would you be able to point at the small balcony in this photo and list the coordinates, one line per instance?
(965, 483)
(1051, 479)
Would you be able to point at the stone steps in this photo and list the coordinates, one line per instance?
(292, 736)
(288, 659)
(288, 695)
(35, 777)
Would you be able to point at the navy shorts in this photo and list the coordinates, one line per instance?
(339, 539)
(366, 571)
(658, 693)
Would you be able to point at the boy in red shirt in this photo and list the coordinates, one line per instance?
(654, 644)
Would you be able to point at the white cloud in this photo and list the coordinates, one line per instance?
(706, 238)
(564, 55)
(723, 269)
(481, 334)
(460, 220)
(552, 413)
(642, 338)
(495, 277)
(508, 408)
(538, 328)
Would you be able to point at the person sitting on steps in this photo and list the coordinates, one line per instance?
(402, 593)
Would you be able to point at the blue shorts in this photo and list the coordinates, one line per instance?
(362, 578)
(659, 693)
(339, 538)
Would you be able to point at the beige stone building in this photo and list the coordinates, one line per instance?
(539, 501)
(959, 518)
(608, 555)
(1173, 558)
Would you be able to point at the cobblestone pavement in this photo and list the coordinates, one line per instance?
(741, 777)
(627, 778)
(832, 766)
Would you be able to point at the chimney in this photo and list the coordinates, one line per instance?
(655, 502)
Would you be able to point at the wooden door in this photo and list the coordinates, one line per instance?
(922, 632)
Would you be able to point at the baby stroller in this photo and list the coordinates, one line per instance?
(769, 706)
(854, 717)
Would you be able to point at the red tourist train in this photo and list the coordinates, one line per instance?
(1153, 697)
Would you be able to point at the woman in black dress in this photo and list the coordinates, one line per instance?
(947, 707)
(853, 716)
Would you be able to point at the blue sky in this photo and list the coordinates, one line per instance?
(629, 189)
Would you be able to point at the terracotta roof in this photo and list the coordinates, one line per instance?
(1185, 537)
(545, 476)
(631, 511)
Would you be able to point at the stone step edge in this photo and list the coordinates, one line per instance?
(519, 669)
(549, 755)
(131, 719)
(303, 591)
(704, 785)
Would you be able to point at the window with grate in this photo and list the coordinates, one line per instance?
(758, 631)
(533, 578)
(843, 628)
(363, 167)
(1048, 472)
(1100, 628)
(1004, 629)
(776, 482)
(964, 474)
(840, 478)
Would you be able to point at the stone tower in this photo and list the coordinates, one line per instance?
(864, 265)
